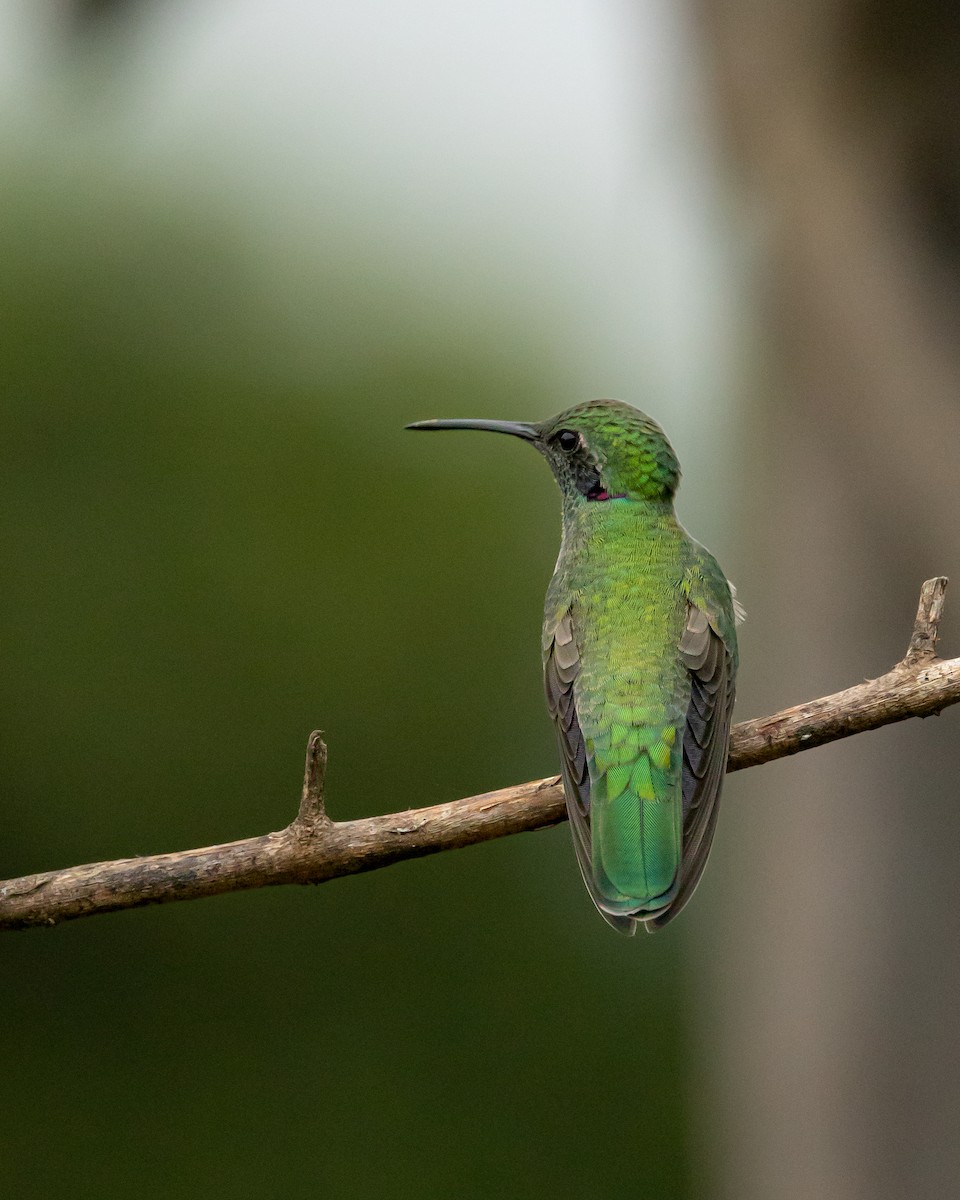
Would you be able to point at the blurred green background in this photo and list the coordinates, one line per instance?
(216, 537)
(241, 247)
(202, 564)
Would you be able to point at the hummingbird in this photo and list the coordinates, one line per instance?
(639, 661)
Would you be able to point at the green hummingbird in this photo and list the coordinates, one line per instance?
(639, 661)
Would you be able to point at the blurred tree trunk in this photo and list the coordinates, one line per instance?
(833, 999)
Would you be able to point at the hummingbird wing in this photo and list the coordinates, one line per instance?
(561, 666)
(706, 737)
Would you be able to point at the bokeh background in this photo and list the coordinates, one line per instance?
(240, 246)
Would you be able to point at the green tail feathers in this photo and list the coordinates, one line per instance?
(636, 819)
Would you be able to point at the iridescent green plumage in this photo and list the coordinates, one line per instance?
(640, 658)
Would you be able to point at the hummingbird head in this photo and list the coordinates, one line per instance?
(601, 450)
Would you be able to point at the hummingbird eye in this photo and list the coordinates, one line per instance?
(567, 440)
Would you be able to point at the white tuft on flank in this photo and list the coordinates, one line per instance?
(739, 612)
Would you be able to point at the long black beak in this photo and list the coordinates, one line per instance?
(529, 433)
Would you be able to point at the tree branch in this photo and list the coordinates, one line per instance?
(313, 849)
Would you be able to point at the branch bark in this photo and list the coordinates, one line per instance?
(313, 849)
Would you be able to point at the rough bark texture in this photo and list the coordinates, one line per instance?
(314, 849)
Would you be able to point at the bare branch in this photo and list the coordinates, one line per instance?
(926, 628)
(314, 849)
(312, 815)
